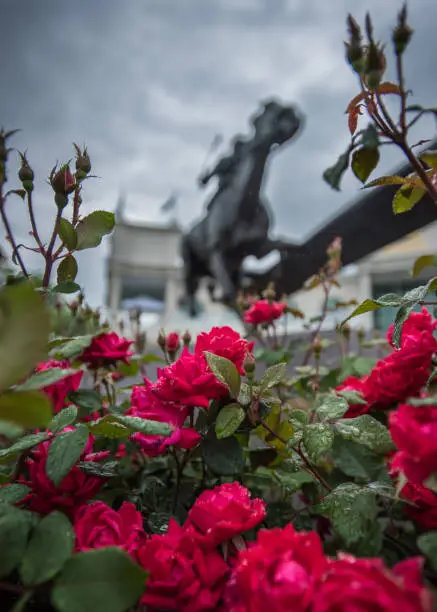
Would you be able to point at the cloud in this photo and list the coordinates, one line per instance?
(147, 85)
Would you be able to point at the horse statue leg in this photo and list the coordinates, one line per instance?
(220, 272)
(191, 277)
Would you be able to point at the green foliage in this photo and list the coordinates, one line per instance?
(105, 579)
(86, 400)
(367, 431)
(45, 378)
(65, 451)
(406, 197)
(13, 493)
(223, 457)
(364, 162)
(427, 543)
(93, 228)
(67, 234)
(331, 407)
(228, 420)
(49, 548)
(225, 371)
(65, 417)
(15, 526)
(67, 270)
(318, 439)
(26, 408)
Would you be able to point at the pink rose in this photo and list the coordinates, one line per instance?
(96, 525)
(264, 311)
(224, 342)
(223, 513)
(183, 576)
(59, 391)
(279, 573)
(352, 584)
(105, 350)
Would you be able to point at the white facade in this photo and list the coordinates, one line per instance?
(145, 262)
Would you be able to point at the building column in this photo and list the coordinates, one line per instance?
(364, 293)
(115, 292)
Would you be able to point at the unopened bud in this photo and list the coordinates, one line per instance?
(354, 48)
(249, 365)
(375, 66)
(345, 331)
(61, 200)
(161, 340)
(172, 342)
(62, 181)
(317, 346)
(28, 186)
(402, 33)
(269, 293)
(140, 342)
(186, 338)
(83, 162)
(25, 173)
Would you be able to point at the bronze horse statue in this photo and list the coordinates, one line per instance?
(237, 221)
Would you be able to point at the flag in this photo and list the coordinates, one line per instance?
(169, 204)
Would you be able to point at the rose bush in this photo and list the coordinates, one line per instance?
(231, 481)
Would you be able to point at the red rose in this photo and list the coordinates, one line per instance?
(264, 311)
(187, 382)
(416, 324)
(401, 374)
(59, 391)
(183, 576)
(172, 343)
(224, 342)
(97, 526)
(223, 513)
(352, 585)
(105, 350)
(279, 573)
(74, 491)
(147, 406)
(354, 384)
(423, 507)
(414, 431)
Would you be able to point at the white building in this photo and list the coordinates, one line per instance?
(145, 268)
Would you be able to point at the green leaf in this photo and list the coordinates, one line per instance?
(67, 234)
(63, 419)
(427, 543)
(14, 531)
(228, 420)
(64, 452)
(352, 397)
(13, 493)
(401, 316)
(225, 371)
(45, 378)
(352, 511)
(49, 548)
(22, 444)
(29, 409)
(273, 376)
(370, 138)
(223, 457)
(425, 261)
(387, 180)
(356, 460)
(105, 579)
(406, 197)
(67, 286)
(364, 162)
(366, 306)
(430, 158)
(73, 347)
(366, 431)
(334, 174)
(150, 428)
(107, 469)
(93, 227)
(24, 331)
(67, 269)
(109, 427)
(86, 400)
(318, 439)
(331, 407)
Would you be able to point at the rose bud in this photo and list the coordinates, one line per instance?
(186, 338)
(62, 181)
(83, 162)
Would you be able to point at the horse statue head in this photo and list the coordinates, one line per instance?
(237, 221)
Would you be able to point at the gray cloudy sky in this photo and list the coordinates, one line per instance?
(146, 84)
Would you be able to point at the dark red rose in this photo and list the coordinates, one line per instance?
(59, 391)
(423, 507)
(416, 324)
(279, 573)
(183, 576)
(147, 406)
(264, 311)
(187, 382)
(223, 513)
(352, 585)
(401, 374)
(74, 491)
(354, 384)
(224, 342)
(97, 526)
(105, 350)
(414, 431)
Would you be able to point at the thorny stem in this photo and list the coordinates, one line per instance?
(319, 326)
(400, 73)
(49, 252)
(33, 224)
(76, 206)
(9, 234)
(301, 454)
